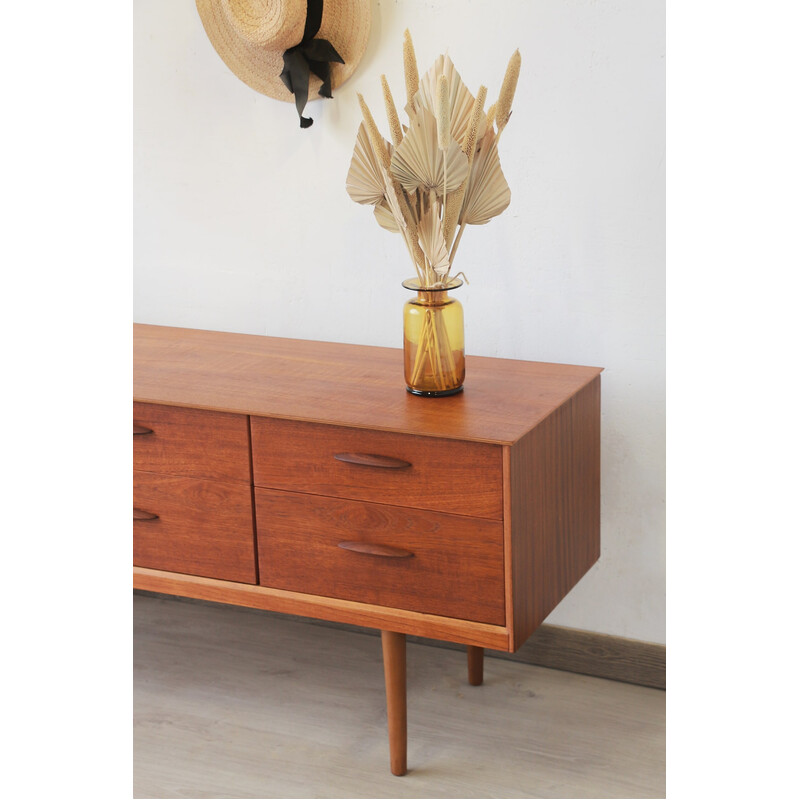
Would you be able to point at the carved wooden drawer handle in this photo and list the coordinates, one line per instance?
(143, 516)
(140, 430)
(376, 549)
(370, 460)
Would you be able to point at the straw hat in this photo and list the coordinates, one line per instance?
(251, 37)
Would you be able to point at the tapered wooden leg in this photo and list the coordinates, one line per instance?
(394, 671)
(475, 665)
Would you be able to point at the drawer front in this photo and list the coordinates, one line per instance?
(190, 442)
(397, 469)
(421, 561)
(193, 526)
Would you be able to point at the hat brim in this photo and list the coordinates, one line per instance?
(345, 24)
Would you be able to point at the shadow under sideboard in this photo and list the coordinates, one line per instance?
(569, 649)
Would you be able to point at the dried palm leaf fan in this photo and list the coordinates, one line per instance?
(442, 171)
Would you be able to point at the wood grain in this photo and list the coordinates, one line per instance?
(349, 385)
(444, 475)
(322, 608)
(487, 517)
(196, 444)
(508, 566)
(456, 569)
(200, 527)
(475, 665)
(554, 525)
(394, 673)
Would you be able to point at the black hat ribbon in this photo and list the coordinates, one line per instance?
(311, 55)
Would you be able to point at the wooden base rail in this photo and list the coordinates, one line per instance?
(321, 608)
(600, 655)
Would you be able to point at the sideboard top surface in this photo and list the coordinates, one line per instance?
(343, 384)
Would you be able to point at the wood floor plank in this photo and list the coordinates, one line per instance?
(231, 702)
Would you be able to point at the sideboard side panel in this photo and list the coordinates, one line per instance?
(555, 508)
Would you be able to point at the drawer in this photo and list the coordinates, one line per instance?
(193, 526)
(394, 468)
(424, 561)
(190, 442)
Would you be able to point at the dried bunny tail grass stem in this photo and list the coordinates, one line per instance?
(507, 91)
(376, 140)
(443, 128)
(443, 112)
(452, 213)
(420, 262)
(410, 68)
(471, 140)
(469, 145)
(395, 129)
(490, 114)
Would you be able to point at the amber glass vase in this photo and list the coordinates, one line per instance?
(433, 340)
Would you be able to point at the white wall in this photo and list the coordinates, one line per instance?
(242, 223)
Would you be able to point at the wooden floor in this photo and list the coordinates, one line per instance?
(230, 702)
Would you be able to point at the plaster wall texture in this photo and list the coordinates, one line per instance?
(242, 223)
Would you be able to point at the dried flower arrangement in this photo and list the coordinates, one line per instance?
(442, 171)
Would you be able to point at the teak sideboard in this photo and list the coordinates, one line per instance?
(301, 477)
